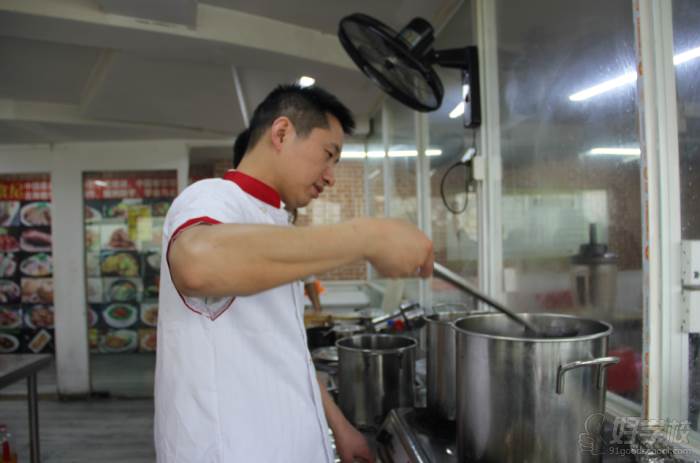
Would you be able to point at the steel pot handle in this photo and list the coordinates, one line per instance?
(601, 363)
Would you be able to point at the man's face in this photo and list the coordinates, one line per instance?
(309, 162)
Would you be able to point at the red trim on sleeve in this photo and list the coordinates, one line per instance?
(254, 187)
(178, 230)
(189, 223)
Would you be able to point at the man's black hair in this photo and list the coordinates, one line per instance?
(240, 146)
(306, 107)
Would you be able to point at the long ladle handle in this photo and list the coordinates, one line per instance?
(451, 277)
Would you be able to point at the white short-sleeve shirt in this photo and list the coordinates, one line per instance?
(234, 378)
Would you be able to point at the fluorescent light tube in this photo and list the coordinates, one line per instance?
(353, 154)
(626, 78)
(615, 151)
(392, 153)
(402, 153)
(687, 55)
(457, 111)
(604, 87)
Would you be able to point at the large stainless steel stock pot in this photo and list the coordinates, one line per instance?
(529, 399)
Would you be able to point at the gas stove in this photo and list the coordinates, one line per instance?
(415, 435)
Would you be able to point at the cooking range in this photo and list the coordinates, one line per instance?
(511, 397)
(416, 435)
(501, 394)
(499, 386)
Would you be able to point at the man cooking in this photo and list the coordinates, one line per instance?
(312, 287)
(234, 378)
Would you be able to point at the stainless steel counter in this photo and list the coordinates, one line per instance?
(15, 367)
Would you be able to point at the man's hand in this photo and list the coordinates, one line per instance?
(397, 248)
(351, 445)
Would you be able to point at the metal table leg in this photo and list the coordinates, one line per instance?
(33, 419)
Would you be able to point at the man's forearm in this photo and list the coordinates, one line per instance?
(239, 260)
(350, 444)
(334, 416)
(232, 259)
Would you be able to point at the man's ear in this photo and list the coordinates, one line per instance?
(280, 130)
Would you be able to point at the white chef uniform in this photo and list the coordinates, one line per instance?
(234, 378)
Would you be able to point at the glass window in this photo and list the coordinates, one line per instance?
(374, 173)
(402, 161)
(124, 214)
(570, 164)
(686, 38)
(402, 156)
(454, 211)
(374, 167)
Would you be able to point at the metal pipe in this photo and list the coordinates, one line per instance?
(239, 95)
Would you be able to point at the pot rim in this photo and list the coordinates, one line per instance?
(431, 320)
(347, 327)
(602, 334)
(393, 350)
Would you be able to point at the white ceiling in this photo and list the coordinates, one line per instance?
(324, 15)
(78, 70)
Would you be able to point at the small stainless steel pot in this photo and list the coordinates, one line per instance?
(376, 374)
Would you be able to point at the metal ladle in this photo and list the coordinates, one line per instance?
(451, 277)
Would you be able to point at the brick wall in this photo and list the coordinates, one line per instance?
(342, 202)
(621, 184)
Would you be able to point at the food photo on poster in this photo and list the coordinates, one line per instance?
(123, 218)
(26, 265)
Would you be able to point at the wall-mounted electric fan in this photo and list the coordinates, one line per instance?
(401, 63)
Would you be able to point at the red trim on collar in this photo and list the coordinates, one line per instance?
(254, 187)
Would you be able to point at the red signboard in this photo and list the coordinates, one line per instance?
(25, 190)
(125, 188)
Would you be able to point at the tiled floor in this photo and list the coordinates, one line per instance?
(114, 425)
(101, 430)
(104, 431)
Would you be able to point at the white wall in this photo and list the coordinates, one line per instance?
(66, 164)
